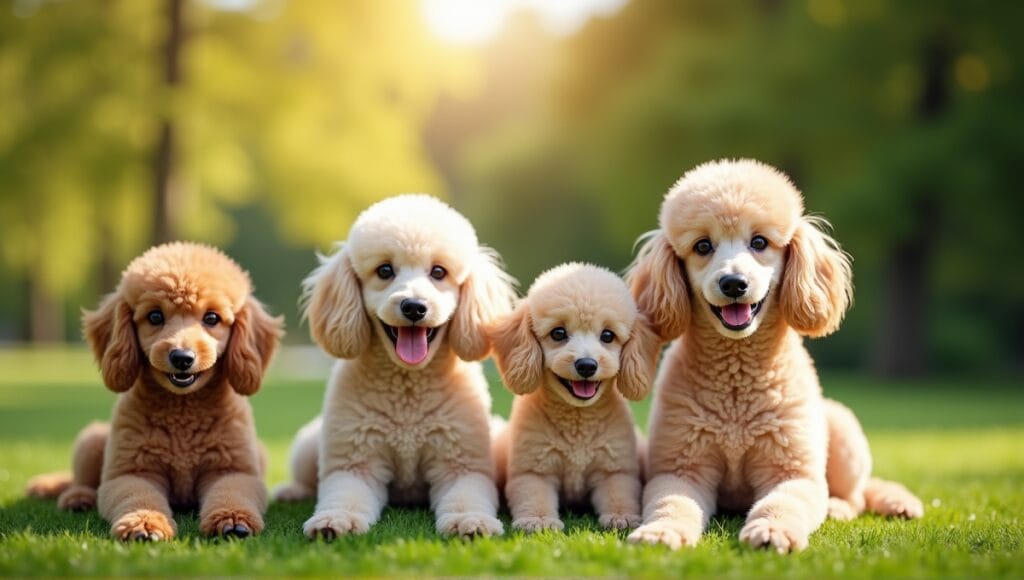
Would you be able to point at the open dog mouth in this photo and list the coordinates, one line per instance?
(182, 379)
(582, 390)
(737, 316)
(411, 342)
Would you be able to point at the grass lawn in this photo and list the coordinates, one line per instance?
(958, 444)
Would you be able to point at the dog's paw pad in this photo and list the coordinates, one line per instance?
(228, 523)
(329, 525)
(538, 524)
(619, 521)
(143, 526)
(778, 535)
(469, 525)
(671, 534)
(77, 498)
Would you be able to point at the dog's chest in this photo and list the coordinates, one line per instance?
(572, 456)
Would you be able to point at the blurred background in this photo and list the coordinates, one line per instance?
(265, 126)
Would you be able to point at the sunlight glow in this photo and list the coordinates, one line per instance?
(476, 21)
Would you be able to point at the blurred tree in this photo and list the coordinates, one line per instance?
(896, 119)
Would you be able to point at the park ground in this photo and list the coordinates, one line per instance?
(957, 442)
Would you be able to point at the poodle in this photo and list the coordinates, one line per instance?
(574, 349)
(739, 422)
(406, 418)
(184, 342)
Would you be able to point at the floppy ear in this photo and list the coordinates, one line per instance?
(254, 337)
(517, 352)
(485, 296)
(110, 331)
(657, 281)
(334, 307)
(817, 284)
(638, 361)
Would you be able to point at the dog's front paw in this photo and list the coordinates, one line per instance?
(468, 525)
(619, 521)
(673, 534)
(143, 526)
(897, 501)
(293, 492)
(537, 524)
(331, 524)
(783, 537)
(230, 523)
(77, 498)
(48, 485)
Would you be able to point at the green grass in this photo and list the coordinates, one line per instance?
(957, 443)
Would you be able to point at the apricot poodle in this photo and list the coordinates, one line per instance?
(739, 422)
(405, 419)
(574, 349)
(184, 342)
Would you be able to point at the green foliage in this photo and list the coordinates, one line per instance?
(956, 443)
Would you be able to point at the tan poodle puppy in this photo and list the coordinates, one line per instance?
(405, 418)
(575, 349)
(739, 422)
(184, 342)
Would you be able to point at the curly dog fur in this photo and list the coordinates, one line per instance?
(574, 349)
(739, 422)
(177, 438)
(406, 300)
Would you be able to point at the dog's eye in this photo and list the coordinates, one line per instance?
(385, 272)
(607, 336)
(156, 318)
(211, 319)
(559, 334)
(758, 243)
(438, 273)
(703, 247)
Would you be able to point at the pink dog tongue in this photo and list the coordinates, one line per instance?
(412, 344)
(584, 389)
(736, 314)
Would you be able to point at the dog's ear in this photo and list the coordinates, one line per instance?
(517, 352)
(254, 338)
(110, 332)
(817, 284)
(657, 281)
(485, 296)
(334, 307)
(638, 361)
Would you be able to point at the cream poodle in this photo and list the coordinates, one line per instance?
(406, 419)
(575, 348)
(184, 342)
(739, 422)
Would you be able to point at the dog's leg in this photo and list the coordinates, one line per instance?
(786, 514)
(849, 462)
(676, 511)
(304, 458)
(347, 503)
(466, 506)
(533, 501)
(889, 498)
(76, 491)
(137, 508)
(232, 505)
(616, 499)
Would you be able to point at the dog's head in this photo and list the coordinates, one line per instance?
(733, 243)
(577, 333)
(412, 276)
(182, 316)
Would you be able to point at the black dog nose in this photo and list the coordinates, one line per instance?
(733, 285)
(586, 367)
(182, 358)
(413, 309)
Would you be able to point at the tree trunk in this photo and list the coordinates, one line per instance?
(902, 348)
(164, 206)
(46, 312)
